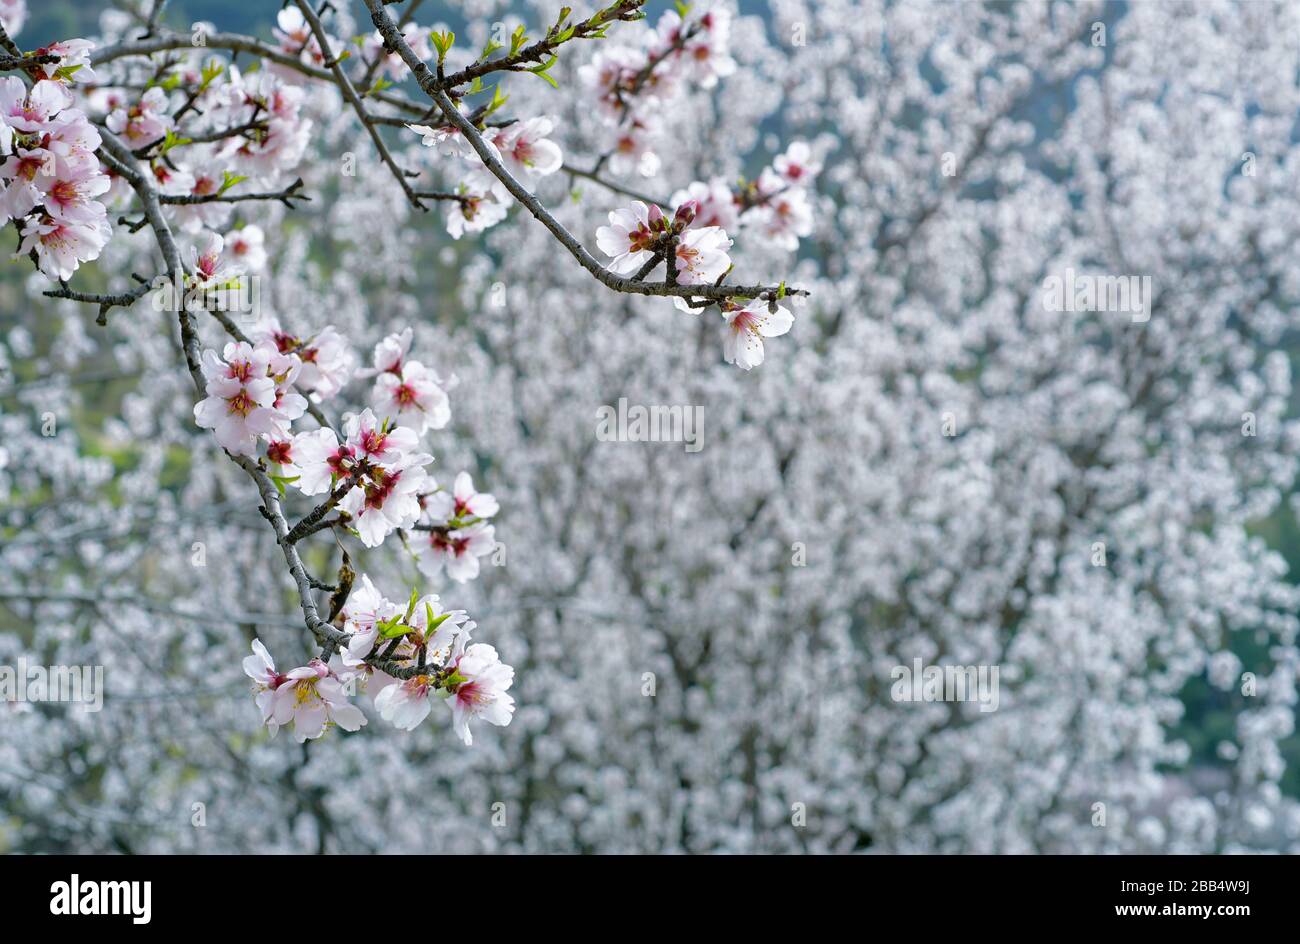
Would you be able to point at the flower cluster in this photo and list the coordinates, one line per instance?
(524, 147)
(250, 396)
(310, 698)
(295, 38)
(633, 86)
(227, 128)
(381, 463)
(406, 390)
(50, 178)
(269, 107)
(458, 530)
(776, 206)
(635, 237)
(426, 646)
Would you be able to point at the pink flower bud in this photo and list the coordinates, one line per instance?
(685, 215)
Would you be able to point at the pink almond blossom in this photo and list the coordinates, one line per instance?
(311, 698)
(742, 343)
(482, 693)
(414, 397)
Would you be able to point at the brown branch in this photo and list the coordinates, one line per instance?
(285, 196)
(593, 26)
(429, 83)
(350, 93)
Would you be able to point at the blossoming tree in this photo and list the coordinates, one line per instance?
(915, 460)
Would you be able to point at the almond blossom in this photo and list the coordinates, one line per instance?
(628, 238)
(366, 607)
(784, 215)
(296, 38)
(260, 667)
(526, 149)
(29, 111)
(143, 122)
(247, 247)
(701, 255)
(214, 281)
(378, 442)
(633, 150)
(446, 138)
(73, 64)
(311, 698)
(413, 397)
(715, 204)
(474, 212)
(462, 502)
(742, 342)
(321, 461)
(326, 359)
(62, 246)
(240, 403)
(481, 681)
(264, 96)
(389, 354)
(458, 550)
(703, 57)
(388, 498)
(796, 166)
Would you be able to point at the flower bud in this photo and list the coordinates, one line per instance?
(685, 215)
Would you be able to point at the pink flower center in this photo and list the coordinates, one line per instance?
(280, 452)
(340, 461)
(64, 192)
(744, 321)
(240, 403)
(472, 694)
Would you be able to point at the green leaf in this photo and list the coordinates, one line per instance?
(442, 41)
(211, 72)
(517, 39)
(497, 101)
(229, 180)
(173, 140)
(544, 69)
(282, 480)
(392, 628)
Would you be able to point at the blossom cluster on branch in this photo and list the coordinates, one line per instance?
(192, 143)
